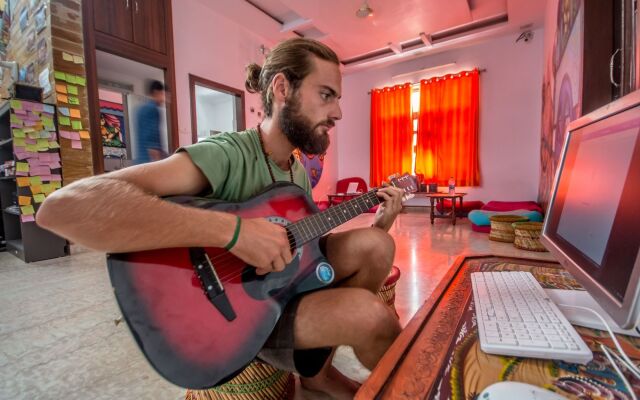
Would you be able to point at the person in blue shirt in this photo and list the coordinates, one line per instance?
(148, 146)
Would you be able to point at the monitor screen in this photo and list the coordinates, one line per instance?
(594, 216)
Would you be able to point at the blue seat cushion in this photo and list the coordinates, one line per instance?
(481, 217)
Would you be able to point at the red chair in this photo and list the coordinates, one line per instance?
(343, 185)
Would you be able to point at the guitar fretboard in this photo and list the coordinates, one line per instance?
(318, 224)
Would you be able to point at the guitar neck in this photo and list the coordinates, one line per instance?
(316, 225)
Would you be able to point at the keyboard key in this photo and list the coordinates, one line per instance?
(534, 343)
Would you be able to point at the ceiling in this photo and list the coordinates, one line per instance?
(392, 33)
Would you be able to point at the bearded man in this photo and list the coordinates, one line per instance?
(300, 85)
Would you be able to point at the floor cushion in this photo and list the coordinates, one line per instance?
(512, 205)
(445, 206)
(481, 217)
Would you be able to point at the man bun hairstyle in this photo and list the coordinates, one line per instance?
(291, 57)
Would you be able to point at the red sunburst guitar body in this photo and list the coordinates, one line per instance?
(201, 315)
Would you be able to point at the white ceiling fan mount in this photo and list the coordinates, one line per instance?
(364, 11)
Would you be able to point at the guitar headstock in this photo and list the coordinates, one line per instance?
(405, 182)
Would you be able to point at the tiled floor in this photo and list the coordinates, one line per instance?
(57, 333)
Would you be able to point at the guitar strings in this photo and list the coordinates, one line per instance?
(334, 212)
(227, 255)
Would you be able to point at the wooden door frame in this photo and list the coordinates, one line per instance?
(94, 40)
(197, 80)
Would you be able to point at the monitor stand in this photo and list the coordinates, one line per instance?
(582, 317)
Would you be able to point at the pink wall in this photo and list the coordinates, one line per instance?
(510, 109)
(213, 47)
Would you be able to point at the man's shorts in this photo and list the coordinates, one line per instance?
(278, 351)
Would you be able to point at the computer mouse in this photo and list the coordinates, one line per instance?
(517, 390)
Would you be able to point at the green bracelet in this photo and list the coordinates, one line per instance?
(236, 234)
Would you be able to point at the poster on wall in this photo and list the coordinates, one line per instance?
(112, 126)
(41, 18)
(24, 19)
(561, 90)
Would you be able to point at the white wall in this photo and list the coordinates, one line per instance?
(215, 113)
(510, 109)
(213, 47)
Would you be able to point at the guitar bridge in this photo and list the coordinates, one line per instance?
(211, 284)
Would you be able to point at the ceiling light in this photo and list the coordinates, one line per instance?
(364, 11)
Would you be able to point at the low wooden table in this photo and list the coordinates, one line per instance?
(438, 353)
(438, 198)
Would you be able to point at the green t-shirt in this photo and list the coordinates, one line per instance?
(234, 166)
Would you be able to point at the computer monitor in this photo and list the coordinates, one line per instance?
(593, 221)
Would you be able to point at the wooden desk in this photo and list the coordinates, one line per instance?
(439, 198)
(438, 352)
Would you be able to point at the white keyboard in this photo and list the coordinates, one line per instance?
(517, 318)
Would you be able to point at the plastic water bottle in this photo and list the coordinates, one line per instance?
(452, 186)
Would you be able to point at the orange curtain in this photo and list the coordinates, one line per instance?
(447, 144)
(391, 132)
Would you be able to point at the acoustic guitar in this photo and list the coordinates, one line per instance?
(200, 315)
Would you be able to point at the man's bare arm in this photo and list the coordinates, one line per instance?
(121, 212)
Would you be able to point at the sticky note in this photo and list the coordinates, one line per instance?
(47, 188)
(75, 113)
(54, 145)
(36, 189)
(16, 104)
(76, 124)
(24, 200)
(27, 218)
(74, 136)
(38, 198)
(76, 144)
(61, 88)
(32, 148)
(62, 98)
(64, 120)
(78, 60)
(71, 78)
(56, 185)
(60, 75)
(81, 80)
(22, 167)
(48, 109)
(34, 180)
(65, 134)
(84, 135)
(72, 89)
(73, 100)
(33, 135)
(18, 133)
(19, 142)
(27, 210)
(64, 111)
(47, 121)
(66, 56)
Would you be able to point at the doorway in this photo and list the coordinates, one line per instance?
(122, 90)
(215, 108)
